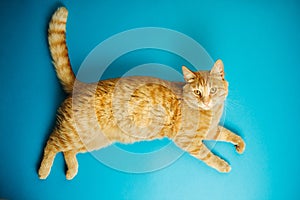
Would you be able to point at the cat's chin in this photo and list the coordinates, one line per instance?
(205, 107)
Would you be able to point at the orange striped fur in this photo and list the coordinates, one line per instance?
(59, 50)
(133, 109)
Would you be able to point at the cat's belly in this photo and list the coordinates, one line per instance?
(94, 140)
(137, 110)
(134, 110)
(97, 128)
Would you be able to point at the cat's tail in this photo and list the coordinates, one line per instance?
(59, 50)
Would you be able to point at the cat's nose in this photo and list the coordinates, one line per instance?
(206, 102)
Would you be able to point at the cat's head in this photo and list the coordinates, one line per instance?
(205, 89)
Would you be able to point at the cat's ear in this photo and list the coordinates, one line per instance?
(218, 68)
(188, 75)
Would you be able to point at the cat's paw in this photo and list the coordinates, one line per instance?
(240, 147)
(71, 173)
(43, 173)
(224, 167)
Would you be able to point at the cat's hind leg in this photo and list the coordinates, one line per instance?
(72, 164)
(223, 134)
(49, 154)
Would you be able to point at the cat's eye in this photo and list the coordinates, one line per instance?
(213, 90)
(197, 92)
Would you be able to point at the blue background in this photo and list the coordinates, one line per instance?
(259, 42)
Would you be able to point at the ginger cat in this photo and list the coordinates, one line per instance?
(132, 109)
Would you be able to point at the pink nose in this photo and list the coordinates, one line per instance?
(206, 102)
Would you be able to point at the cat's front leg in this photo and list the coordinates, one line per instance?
(201, 152)
(223, 134)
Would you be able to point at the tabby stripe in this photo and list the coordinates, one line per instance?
(60, 54)
(59, 42)
(207, 156)
(57, 31)
(59, 21)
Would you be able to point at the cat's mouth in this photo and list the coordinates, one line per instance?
(206, 106)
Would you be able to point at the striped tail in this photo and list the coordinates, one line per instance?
(59, 50)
